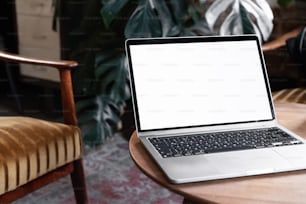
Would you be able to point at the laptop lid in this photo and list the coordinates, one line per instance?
(198, 81)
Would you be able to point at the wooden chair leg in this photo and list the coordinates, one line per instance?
(78, 182)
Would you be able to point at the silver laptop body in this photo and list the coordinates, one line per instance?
(200, 85)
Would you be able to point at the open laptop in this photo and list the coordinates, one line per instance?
(203, 108)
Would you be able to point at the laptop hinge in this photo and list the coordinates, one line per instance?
(206, 129)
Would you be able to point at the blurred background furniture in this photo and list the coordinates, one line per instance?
(35, 152)
(36, 37)
(286, 75)
(286, 70)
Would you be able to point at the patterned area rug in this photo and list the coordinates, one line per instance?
(111, 177)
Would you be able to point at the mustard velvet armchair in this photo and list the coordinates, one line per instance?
(34, 152)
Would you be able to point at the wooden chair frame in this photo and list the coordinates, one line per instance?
(75, 168)
(281, 41)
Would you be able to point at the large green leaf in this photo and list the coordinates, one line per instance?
(179, 8)
(151, 18)
(239, 16)
(200, 27)
(112, 72)
(144, 22)
(89, 48)
(111, 9)
(99, 118)
(167, 20)
(99, 114)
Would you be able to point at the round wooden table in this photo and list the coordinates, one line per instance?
(273, 188)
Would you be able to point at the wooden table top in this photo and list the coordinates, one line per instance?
(273, 188)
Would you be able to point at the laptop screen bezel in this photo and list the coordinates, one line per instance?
(144, 41)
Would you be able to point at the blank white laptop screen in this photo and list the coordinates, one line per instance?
(200, 83)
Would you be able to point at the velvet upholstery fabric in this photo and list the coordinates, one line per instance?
(294, 95)
(32, 147)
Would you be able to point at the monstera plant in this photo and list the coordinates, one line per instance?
(102, 79)
(239, 17)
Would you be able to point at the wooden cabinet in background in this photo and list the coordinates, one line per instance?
(36, 37)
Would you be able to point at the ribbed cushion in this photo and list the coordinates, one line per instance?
(31, 147)
(296, 95)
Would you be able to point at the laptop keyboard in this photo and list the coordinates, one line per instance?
(176, 146)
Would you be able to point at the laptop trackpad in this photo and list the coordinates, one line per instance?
(251, 162)
(225, 165)
(296, 155)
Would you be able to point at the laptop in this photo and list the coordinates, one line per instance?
(203, 108)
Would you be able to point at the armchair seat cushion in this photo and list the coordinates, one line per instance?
(295, 95)
(31, 147)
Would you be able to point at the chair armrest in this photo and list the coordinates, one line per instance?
(59, 64)
(281, 41)
(64, 67)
